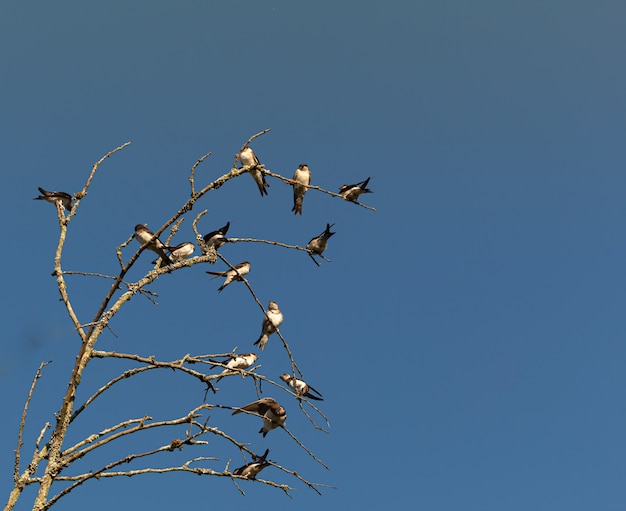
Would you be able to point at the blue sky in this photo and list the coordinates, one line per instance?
(468, 336)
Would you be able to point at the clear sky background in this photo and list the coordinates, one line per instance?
(469, 336)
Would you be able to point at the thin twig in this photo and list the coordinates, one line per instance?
(318, 188)
(38, 374)
(294, 366)
(193, 172)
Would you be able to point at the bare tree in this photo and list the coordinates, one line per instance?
(51, 465)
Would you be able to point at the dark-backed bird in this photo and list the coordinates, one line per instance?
(302, 177)
(218, 237)
(252, 469)
(273, 414)
(318, 244)
(249, 159)
(53, 197)
(270, 324)
(300, 387)
(181, 251)
(351, 192)
(144, 235)
(235, 273)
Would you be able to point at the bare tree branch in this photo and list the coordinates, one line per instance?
(313, 187)
(16, 467)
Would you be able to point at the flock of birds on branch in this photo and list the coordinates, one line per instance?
(272, 413)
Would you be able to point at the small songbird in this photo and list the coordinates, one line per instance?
(181, 251)
(270, 325)
(242, 361)
(351, 192)
(249, 159)
(218, 237)
(300, 387)
(53, 197)
(273, 414)
(231, 275)
(302, 176)
(318, 244)
(144, 235)
(252, 469)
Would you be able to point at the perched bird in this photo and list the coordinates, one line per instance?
(53, 197)
(351, 192)
(181, 251)
(218, 237)
(318, 244)
(270, 324)
(302, 176)
(233, 274)
(300, 387)
(273, 414)
(252, 469)
(144, 235)
(242, 361)
(249, 159)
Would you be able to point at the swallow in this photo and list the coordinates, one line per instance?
(318, 244)
(273, 414)
(236, 362)
(233, 274)
(302, 176)
(252, 469)
(270, 325)
(351, 192)
(249, 159)
(144, 235)
(53, 197)
(218, 237)
(300, 387)
(181, 251)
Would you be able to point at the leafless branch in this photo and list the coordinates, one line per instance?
(175, 364)
(294, 366)
(193, 172)
(38, 374)
(313, 187)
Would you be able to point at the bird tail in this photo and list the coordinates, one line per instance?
(262, 341)
(297, 206)
(315, 398)
(165, 261)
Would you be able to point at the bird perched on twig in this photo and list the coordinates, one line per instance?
(351, 192)
(270, 324)
(242, 361)
(249, 159)
(218, 237)
(318, 244)
(235, 273)
(302, 176)
(273, 414)
(53, 197)
(252, 469)
(300, 387)
(144, 235)
(180, 252)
